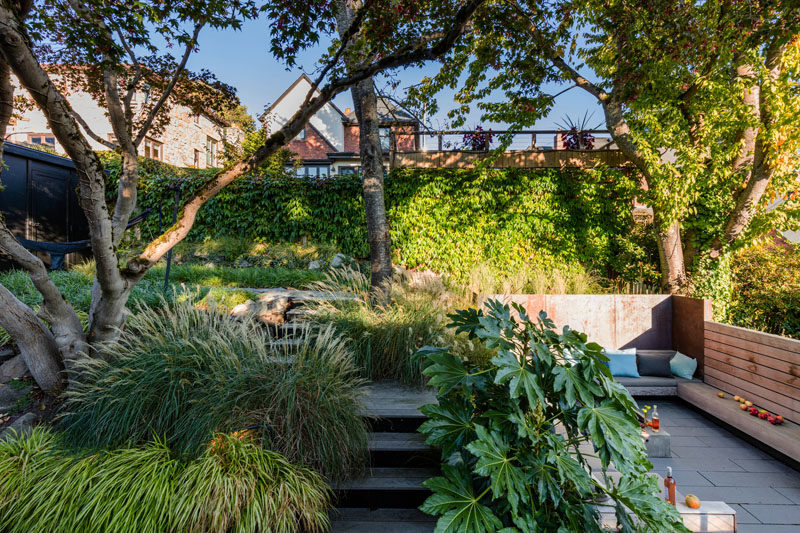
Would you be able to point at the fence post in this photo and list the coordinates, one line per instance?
(440, 141)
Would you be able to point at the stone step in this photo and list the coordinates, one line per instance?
(298, 295)
(385, 488)
(298, 313)
(361, 520)
(394, 449)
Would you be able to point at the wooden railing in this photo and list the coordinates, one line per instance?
(763, 368)
(457, 149)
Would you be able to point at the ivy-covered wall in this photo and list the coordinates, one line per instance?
(446, 220)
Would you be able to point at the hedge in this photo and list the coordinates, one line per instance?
(446, 220)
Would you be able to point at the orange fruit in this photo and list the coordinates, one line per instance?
(692, 501)
(721, 394)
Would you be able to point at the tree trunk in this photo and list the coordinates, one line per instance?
(670, 255)
(366, 106)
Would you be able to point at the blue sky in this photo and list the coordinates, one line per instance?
(242, 59)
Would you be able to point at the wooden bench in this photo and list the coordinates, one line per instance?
(784, 438)
(652, 385)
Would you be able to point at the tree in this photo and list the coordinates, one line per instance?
(365, 102)
(698, 95)
(102, 38)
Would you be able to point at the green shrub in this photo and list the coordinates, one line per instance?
(234, 486)
(766, 289)
(182, 375)
(251, 277)
(519, 435)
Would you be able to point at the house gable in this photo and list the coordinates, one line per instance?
(327, 121)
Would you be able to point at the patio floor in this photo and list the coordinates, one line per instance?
(713, 463)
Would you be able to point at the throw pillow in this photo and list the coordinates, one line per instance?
(654, 364)
(683, 366)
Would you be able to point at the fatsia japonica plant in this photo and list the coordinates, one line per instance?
(528, 440)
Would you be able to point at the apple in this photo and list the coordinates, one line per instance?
(753, 411)
(721, 394)
(741, 400)
(737, 398)
(748, 403)
(772, 420)
(763, 415)
(779, 419)
(743, 407)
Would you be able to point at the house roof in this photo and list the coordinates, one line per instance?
(388, 111)
(291, 88)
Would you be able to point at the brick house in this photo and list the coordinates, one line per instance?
(329, 144)
(188, 140)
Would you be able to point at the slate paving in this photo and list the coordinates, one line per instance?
(713, 463)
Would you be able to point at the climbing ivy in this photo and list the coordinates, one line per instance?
(445, 220)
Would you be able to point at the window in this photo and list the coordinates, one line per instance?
(196, 160)
(50, 140)
(314, 171)
(385, 135)
(36, 140)
(348, 171)
(211, 152)
(153, 149)
(42, 138)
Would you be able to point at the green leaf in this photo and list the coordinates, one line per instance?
(642, 496)
(615, 434)
(445, 370)
(510, 369)
(454, 498)
(495, 462)
(449, 424)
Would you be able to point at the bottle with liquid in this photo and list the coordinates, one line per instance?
(669, 485)
(654, 419)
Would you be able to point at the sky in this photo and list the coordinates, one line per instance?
(242, 59)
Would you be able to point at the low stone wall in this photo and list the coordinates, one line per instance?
(763, 368)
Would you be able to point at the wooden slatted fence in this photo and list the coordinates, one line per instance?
(763, 368)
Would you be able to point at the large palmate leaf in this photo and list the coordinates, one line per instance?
(615, 434)
(653, 514)
(449, 424)
(444, 370)
(455, 500)
(520, 379)
(496, 461)
(571, 382)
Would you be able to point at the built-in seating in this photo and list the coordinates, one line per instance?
(653, 385)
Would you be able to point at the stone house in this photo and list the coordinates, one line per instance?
(188, 139)
(329, 144)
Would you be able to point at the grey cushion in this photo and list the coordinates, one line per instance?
(655, 363)
(647, 381)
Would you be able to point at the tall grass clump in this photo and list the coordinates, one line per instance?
(385, 336)
(485, 280)
(183, 374)
(234, 485)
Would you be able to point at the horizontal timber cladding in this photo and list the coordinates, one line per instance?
(763, 368)
(510, 159)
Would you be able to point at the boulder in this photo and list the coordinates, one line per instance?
(9, 397)
(243, 263)
(21, 426)
(340, 260)
(272, 309)
(242, 309)
(14, 368)
(314, 265)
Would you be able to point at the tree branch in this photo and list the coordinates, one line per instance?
(108, 144)
(170, 86)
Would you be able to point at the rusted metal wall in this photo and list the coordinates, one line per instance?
(689, 316)
(642, 321)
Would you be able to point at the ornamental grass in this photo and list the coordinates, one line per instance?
(181, 375)
(232, 487)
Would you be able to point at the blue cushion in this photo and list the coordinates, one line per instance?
(683, 366)
(623, 363)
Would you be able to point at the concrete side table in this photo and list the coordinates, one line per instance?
(656, 442)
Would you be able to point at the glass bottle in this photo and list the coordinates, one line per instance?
(654, 419)
(669, 484)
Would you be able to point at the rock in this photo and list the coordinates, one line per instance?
(210, 265)
(339, 260)
(243, 263)
(10, 396)
(6, 353)
(21, 426)
(242, 309)
(314, 265)
(14, 368)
